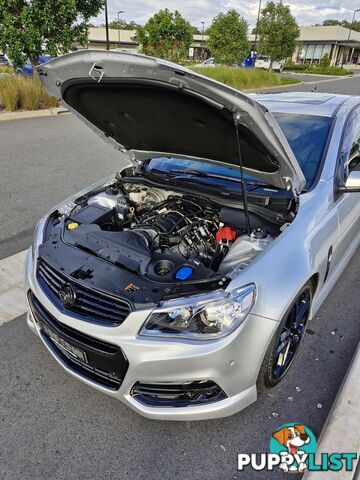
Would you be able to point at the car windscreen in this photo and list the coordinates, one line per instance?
(307, 136)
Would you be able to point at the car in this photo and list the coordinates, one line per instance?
(263, 61)
(210, 62)
(183, 284)
(27, 69)
(4, 61)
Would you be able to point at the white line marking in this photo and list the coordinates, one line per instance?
(12, 297)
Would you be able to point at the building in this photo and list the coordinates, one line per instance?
(126, 41)
(341, 44)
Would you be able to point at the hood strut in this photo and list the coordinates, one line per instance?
(243, 185)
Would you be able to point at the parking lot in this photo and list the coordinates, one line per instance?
(53, 426)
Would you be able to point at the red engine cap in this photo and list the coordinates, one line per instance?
(225, 233)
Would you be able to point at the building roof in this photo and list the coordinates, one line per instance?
(98, 34)
(334, 33)
(198, 37)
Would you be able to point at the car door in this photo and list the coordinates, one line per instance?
(348, 204)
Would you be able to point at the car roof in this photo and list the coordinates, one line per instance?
(307, 103)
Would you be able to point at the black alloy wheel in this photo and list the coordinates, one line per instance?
(286, 341)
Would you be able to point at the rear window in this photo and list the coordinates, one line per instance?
(307, 136)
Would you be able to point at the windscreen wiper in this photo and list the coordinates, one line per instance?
(256, 184)
(181, 174)
(248, 183)
(200, 174)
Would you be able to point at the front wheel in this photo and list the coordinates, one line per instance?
(285, 344)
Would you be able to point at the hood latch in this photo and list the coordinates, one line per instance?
(96, 72)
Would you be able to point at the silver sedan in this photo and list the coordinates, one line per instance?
(183, 284)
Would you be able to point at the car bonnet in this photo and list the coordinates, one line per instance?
(148, 107)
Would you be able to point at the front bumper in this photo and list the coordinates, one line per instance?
(232, 362)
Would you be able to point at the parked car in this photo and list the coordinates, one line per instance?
(183, 284)
(4, 61)
(27, 69)
(264, 62)
(210, 62)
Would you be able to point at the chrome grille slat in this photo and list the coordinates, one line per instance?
(100, 299)
(48, 277)
(91, 305)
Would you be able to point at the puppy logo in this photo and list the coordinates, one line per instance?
(293, 442)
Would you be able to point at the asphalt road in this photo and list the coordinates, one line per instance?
(54, 427)
(348, 85)
(43, 161)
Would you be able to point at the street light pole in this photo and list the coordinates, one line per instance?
(107, 26)
(202, 41)
(256, 33)
(348, 40)
(118, 15)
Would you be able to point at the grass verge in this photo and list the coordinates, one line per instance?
(4, 69)
(244, 78)
(23, 93)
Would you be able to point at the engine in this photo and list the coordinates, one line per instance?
(159, 234)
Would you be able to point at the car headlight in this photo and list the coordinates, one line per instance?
(38, 235)
(201, 317)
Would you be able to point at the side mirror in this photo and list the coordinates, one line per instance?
(352, 183)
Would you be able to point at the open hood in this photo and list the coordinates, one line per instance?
(148, 107)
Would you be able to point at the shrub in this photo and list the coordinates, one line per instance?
(295, 67)
(325, 61)
(9, 93)
(315, 69)
(4, 69)
(24, 93)
(29, 94)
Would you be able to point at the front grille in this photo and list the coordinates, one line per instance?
(91, 305)
(105, 363)
(177, 394)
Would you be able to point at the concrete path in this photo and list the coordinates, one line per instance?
(341, 433)
(12, 297)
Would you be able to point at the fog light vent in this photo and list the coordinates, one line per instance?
(177, 394)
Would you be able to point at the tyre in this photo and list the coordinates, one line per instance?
(286, 341)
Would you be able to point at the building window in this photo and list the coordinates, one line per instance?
(312, 53)
(310, 50)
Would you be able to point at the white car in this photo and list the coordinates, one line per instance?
(210, 62)
(264, 62)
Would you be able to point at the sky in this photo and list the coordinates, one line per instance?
(307, 12)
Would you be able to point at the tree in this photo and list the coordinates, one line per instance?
(166, 35)
(30, 28)
(329, 22)
(228, 40)
(196, 30)
(278, 31)
(344, 23)
(325, 61)
(122, 25)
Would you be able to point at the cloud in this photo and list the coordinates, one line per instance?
(307, 12)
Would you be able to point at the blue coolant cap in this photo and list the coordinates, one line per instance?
(183, 273)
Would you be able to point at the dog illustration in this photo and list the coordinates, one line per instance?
(292, 438)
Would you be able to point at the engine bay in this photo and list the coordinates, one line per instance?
(163, 235)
